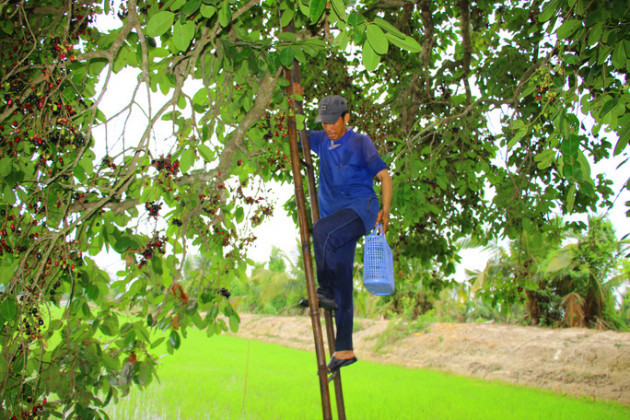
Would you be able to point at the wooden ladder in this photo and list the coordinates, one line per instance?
(293, 75)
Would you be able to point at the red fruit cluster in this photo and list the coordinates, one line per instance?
(276, 159)
(152, 246)
(109, 163)
(153, 207)
(166, 165)
(259, 213)
(33, 412)
(543, 91)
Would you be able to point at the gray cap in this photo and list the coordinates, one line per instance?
(330, 109)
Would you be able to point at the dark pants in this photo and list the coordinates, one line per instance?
(334, 240)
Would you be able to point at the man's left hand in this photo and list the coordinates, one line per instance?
(383, 217)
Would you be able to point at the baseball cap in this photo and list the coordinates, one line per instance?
(330, 109)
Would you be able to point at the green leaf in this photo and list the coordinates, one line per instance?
(144, 372)
(110, 363)
(225, 14)
(191, 7)
(4, 367)
(7, 26)
(619, 56)
(545, 158)
(570, 145)
(273, 61)
(6, 164)
(377, 39)
(567, 28)
(340, 8)
(174, 339)
(355, 19)
(299, 122)
(239, 214)
(570, 198)
(187, 160)
(201, 97)
(608, 106)
(176, 5)
(234, 323)
(286, 56)
(624, 135)
(584, 167)
(8, 309)
(407, 43)
(287, 36)
(389, 28)
(548, 11)
(205, 153)
(316, 8)
(595, 33)
(560, 261)
(183, 34)
(287, 16)
(160, 23)
(519, 135)
(370, 58)
(207, 11)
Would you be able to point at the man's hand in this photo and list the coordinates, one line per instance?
(383, 217)
(386, 191)
(298, 89)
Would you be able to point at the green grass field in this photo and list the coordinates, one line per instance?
(230, 378)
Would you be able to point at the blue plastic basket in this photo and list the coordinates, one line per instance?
(378, 264)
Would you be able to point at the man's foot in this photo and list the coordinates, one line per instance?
(326, 303)
(323, 301)
(337, 363)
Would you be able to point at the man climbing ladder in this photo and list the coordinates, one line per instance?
(348, 208)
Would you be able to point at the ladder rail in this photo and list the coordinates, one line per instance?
(312, 192)
(294, 76)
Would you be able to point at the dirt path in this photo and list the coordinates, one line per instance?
(572, 361)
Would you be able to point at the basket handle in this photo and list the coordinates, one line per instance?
(378, 229)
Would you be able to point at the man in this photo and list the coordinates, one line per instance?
(349, 208)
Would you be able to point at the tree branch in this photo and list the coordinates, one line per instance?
(464, 6)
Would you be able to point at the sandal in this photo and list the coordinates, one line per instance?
(336, 364)
(323, 301)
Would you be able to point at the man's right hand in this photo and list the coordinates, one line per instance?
(298, 89)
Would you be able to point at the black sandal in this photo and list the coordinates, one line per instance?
(323, 302)
(336, 364)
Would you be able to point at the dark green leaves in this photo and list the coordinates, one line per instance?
(6, 163)
(316, 8)
(624, 135)
(549, 10)
(225, 14)
(571, 146)
(8, 310)
(286, 57)
(174, 339)
(567, 28)
(160, 23)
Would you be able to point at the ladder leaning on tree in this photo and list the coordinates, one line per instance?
(293, 75)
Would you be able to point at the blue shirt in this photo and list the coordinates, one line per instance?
(347, 168)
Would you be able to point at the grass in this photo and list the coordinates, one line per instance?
(226, 377)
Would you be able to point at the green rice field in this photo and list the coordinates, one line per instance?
(224, 377)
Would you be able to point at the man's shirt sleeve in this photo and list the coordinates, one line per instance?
(373, 160)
